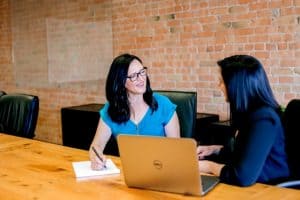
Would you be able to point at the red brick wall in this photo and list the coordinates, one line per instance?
(180, 42)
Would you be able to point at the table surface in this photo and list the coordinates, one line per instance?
(31, 169)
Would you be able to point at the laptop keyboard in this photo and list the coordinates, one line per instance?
(208, 182)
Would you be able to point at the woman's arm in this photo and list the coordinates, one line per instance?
(101, 137)
(172, 128)
(203, 150)
(210, 167)
(252, 148)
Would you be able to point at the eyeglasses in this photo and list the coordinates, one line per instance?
(133, 77)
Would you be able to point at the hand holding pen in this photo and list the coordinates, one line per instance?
(96, 165)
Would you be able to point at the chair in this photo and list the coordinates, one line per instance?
(18, 114)
(2, 93)
(186, 102)
(291, 123)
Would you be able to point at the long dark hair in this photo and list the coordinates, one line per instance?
(116, 93)
(246, 83)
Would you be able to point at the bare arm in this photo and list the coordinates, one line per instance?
(210, 167)
(206, 166)
(172, 128)
(204, 151)
(101, 137)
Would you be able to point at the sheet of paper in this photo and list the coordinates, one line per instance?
(83, 169)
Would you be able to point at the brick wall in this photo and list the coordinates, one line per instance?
(180, 42)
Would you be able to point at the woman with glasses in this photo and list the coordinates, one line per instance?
(259, 150)
(132, 107)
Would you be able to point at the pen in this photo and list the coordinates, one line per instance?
(98, 156)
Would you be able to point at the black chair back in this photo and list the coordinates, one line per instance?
(292, 123)
(292, 134)
(18, 114)
(186, 102)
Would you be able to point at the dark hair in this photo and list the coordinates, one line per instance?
(246, 83)
(116, 93)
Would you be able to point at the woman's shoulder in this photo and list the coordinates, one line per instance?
(265, 112)
(105, 106)
(103, 111)
(163, 101)
(160, 97)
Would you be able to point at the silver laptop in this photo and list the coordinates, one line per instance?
(163, 164)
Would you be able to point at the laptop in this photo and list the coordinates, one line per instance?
(163, 164)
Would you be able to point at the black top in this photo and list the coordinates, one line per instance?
(259, 153)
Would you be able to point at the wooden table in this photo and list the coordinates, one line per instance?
(31, 169)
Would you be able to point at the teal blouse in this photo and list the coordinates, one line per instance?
(152, 123)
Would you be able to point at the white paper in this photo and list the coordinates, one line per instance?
(83, 169)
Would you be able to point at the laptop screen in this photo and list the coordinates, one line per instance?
(160, 163)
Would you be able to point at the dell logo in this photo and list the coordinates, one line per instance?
(157, 164)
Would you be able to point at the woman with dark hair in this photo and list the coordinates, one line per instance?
(132, 107)
(259, 150)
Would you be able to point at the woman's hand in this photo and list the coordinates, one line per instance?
(209, 167)
(96, 162)
(204, 151)
(101, 137)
